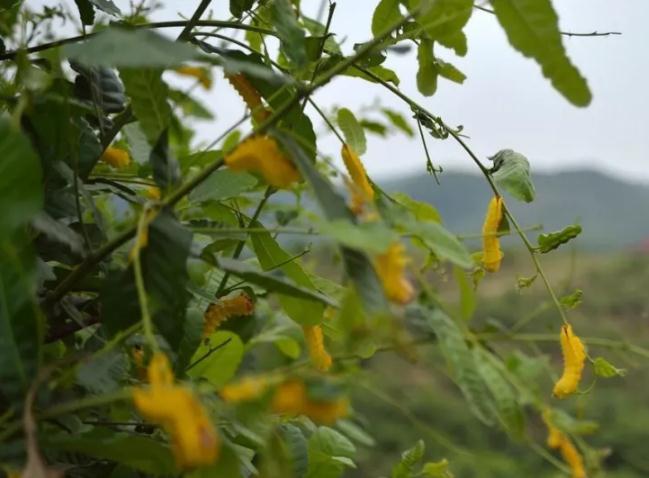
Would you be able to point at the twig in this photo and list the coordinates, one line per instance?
(568, 34)
(186, 32)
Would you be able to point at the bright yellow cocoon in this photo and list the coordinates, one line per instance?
(361, 189)
(391, 270)
(574, 356)
(250, 95)
(116, 157)
(246, 389)
(491, 253)
(291, 398)
(261, 155)
(315, 344)
(219, 312)
(201, 74)
(559, 441)
(177, 410)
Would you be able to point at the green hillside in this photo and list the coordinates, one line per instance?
(613, 213)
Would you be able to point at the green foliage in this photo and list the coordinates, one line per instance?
(603, 368)
(552, 240)
(511, 171)
(532, 28)
(289, 31)
(148, 95)
(385, 15)
(353, 131)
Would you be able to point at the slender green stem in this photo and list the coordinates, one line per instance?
(147, 323)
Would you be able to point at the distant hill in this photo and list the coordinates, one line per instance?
(613, 213)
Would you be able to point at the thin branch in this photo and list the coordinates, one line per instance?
(568, 34)
(187, 30)
(169, 24)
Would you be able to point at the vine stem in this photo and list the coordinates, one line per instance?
(302, 91)
(147, 323)
(485, 172)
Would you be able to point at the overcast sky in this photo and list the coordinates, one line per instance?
(505, 102)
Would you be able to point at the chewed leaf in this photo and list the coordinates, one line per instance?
(511, 171)
(550, 241)
(603, 368)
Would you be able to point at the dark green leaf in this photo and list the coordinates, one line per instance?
(21, 327)
(103, 373)
(192, 335)
(122, 48)
(443, 243)
(166, 170)
(164, 266)
(386, 14)
(270, 256)
(386, 74)
(353, 131)
(532, 27)
(374, 127)
(119, 302)
(148, 95)
(86, 11)
(329, 453)
(552, 240)
(289, 31)
(238, 7)
(21, 196)
(106, 6)
(274, 282)
(427, 72)
(135, 451)
(297, 449)
(511, 171)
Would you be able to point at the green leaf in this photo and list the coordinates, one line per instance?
(86, 11)
(552, 240)
(603, 368)
(217, 358)
(274, 282)
(427, 72)
(443, 21)
(192, 335)
(329, 453)
(532, 27)
(296, 446)
(166, 170)
(398, 120)
(119, 302)
(164, 262)
(227, 466)
(238, 7)
(373, 237)
(103, 373)
(135, 451)
(353, 131)
(386, 14)
(270, 255)
(409, 459)
(357, 264)
(437, 469)
(511, 171)
(386, 74)
(463, 366)
(141, 48)
(106, 6)
(289, 31)
(148, 95)
(374, 127)
(21, 327)
(507, 406)
(21, 196)
(223, 184)
(422, 211)
(468, 300)
(572, 300)
(443, 243)
(449, 71)
(190, 105)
